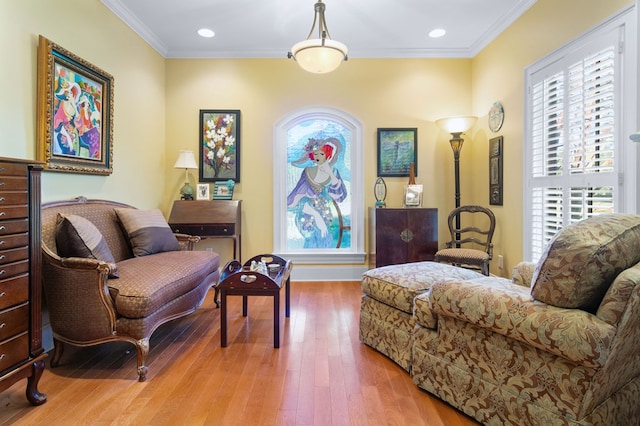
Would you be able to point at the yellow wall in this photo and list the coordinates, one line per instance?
(380, 93)
(498, 75)
(157, 103)
(92, 32)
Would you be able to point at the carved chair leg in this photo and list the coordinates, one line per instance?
(142, 350)
(58, 349)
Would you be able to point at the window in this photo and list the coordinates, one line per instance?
(318, 196)
(574, 152)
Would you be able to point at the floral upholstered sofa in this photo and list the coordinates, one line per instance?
(558, 344)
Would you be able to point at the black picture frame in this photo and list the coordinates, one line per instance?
(496, 160)
(397, 149)
(219, 145)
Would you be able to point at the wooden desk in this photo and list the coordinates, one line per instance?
(209, 219)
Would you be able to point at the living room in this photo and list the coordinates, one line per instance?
(157, 102)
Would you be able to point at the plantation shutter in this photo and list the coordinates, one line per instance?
(572, 170)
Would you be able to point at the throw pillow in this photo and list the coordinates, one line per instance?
(147, 230)
(583, 259)
(78, 237)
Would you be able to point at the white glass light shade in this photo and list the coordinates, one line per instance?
(317, 58)
(635, 136)
(186, 160)
(456, 124)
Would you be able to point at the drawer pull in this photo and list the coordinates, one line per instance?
(2, 199)
(2, 243)
(2, 356)
(2, 272)
(2, 256)
(3, 325)
(1, 183)
(3, 294)
(2, 213)
(2, 169)
(2, 228)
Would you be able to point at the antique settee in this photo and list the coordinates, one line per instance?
(114, 272)
(558, 344)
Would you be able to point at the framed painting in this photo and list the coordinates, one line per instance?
(74, 112)
(219, 145)
(223, 190)
(202, 192)
(495, 171)
(397, 149)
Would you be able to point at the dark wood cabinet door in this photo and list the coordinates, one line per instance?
(405, 235)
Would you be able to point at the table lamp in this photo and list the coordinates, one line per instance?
(186, 161)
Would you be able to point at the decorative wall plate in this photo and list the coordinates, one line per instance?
(496, 117)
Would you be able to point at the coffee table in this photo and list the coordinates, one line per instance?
(238, 280)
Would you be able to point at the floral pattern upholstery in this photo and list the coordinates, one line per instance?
(489, 347)
(582, 260)
(386, 312)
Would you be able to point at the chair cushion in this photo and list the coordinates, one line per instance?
(78, 237)
(462, 255)
(147, 230)
(583, 259)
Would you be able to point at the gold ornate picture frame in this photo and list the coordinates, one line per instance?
(74, 112)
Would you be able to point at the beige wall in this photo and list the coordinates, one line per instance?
(157, 103)
(92, 32)
(498, 75)
(380, 93)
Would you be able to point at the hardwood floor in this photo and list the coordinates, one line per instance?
(321, 375)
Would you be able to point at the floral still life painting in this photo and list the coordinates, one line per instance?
(220, 145)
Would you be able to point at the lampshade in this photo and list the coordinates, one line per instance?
(319, 55)
(186, 160)
(635, 136)
(456, 124)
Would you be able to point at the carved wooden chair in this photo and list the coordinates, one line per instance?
(470, 246)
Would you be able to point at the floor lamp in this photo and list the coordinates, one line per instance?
(456, 126)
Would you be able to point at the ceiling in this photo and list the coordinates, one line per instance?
(268, 28)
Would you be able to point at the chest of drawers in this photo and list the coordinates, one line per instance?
(21, 352)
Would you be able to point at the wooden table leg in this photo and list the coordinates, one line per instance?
(245, 311)
(276, 319)
(287, 297)
(223, 318)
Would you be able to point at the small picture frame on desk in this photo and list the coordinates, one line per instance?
(202, 192)
(223, 190)
(413, 196)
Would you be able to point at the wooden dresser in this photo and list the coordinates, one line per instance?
(21, 352)
(401, 235)
(209, 218)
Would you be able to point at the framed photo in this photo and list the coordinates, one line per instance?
(223, 190)
(495, 171)
(74, 112)
(202, 193)
(219, 145)
(397, 149)
(413, 196)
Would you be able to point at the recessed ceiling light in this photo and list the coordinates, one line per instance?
(206, 32)
(438, 32)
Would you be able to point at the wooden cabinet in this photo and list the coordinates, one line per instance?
(403, 235)
(21, 352)
(209, 218)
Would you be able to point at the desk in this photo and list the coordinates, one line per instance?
(209, 219)
(238, 280)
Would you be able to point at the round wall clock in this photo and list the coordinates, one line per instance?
(496, 116)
